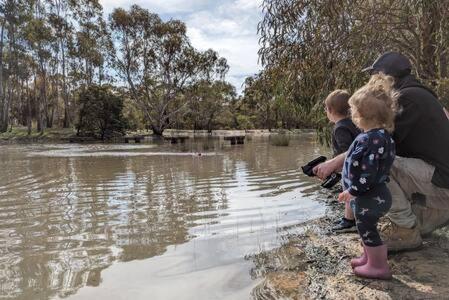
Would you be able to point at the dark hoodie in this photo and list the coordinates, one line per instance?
(422, 128)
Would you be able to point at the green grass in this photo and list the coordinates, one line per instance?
(21, 133)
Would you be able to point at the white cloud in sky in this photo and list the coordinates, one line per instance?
(229, 27)
(157, 6)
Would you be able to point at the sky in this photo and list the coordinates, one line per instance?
(227, 26)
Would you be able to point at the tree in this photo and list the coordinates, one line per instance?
(101, 112)
(158, 63)
(13, 15)
(207, 100)
(52, 49)
(322, 45)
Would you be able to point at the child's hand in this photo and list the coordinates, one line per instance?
(344, 197)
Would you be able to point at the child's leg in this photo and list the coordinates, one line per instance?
(349, 214)
(346, 224)
(368, 211)
(363, 259)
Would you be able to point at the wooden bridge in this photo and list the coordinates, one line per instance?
(176, 139)
(136, 138)
(236, 139)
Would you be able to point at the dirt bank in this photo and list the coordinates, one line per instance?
(315, 265)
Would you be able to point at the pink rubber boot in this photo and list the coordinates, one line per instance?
(377, 266)
(360, 261)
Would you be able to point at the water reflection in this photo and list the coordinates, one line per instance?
(68, 212)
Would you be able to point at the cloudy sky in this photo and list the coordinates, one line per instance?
(227, 26)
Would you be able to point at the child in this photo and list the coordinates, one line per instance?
(343, 134)
(366, 170)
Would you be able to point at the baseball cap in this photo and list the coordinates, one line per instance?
(391, 63)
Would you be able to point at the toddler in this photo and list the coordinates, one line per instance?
(366, 170)
(343, 134)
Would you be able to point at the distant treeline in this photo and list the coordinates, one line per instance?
(57, 54)
(63, 64)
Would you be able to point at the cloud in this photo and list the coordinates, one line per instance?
(229, 27)
(158, 6)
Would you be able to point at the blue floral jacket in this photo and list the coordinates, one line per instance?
(368, 161)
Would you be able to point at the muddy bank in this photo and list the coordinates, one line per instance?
(314, 264)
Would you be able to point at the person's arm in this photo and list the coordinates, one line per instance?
(405, 121)
(446, 112)
(325, 169)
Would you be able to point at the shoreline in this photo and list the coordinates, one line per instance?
(19, 135)
(315, 264)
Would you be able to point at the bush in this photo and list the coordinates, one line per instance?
(244, 122)
(280, 140)
(100, 113)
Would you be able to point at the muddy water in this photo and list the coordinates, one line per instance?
(149, 221)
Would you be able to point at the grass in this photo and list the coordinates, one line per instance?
(281, 140)
(21, 133)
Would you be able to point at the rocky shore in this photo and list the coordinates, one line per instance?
(314, 264)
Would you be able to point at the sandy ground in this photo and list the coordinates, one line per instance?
(315, 265)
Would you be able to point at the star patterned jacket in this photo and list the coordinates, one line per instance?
(368, 161)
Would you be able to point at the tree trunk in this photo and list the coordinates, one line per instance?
(67, 119)
(1, 73)
(29, 116)
(157, 130)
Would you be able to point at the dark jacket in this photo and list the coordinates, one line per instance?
(343, 134)
(422, 128)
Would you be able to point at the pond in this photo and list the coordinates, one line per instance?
(150, 220)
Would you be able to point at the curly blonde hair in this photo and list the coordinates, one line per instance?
(375, 104)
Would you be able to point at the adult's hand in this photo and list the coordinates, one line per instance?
(325, 169)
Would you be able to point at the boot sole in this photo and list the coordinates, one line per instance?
(349, 230)
(410, 248)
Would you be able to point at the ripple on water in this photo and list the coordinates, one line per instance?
(67, 212)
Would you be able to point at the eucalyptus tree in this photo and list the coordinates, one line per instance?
(40, 39)
(207, 101)
(91, 45)
(13, 15)
(156, 60)
(322, 45)
(61, 20)
(335, 39)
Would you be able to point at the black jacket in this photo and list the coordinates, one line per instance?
(422, 128)
(343, 135)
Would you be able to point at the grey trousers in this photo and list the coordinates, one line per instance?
(416, 201)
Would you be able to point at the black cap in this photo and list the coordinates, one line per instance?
(391, 63)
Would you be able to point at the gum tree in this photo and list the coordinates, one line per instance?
(156, 60)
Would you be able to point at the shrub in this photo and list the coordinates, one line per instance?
(100, 113)
(280, 140)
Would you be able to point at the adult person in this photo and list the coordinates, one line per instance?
(419, 179)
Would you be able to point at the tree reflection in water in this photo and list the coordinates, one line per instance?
(63, 219)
